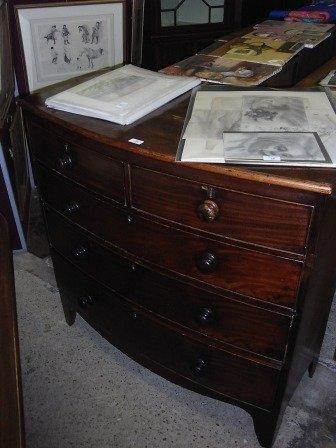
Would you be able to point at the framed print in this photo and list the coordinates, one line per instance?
(64, 40)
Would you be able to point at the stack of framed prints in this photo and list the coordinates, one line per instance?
(58, 41)
(260, 127)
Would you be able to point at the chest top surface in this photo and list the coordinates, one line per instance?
(160, 131)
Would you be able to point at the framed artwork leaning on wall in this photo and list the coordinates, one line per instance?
(59, 41)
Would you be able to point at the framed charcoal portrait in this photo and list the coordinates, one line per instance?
(64, 40)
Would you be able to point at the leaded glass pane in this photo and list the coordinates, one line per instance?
(192, 12)
(167, 18)
(169, 4)
(215, 2)
(217, 15)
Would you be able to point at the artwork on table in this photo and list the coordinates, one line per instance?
(310, 34)
(264, 147)
(265, 51)
(223, 70)
(64, 41)
(329, 80)
(284, 114)
(214, 46)
(262, 127)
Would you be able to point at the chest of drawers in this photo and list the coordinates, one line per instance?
(217, 278)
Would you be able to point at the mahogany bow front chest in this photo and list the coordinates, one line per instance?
(217, 278)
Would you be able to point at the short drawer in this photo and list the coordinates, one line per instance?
(256, 274)
(248, 327)
(83, 250)
(260, 220)
(103, 175)
(148, 338)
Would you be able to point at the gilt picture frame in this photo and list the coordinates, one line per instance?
(59, 41)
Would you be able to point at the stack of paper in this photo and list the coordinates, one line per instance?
(123, 95)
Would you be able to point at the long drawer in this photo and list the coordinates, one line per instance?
(248, 327)
(140, 335)
(104, 175)
(255, 274)
(260, 220)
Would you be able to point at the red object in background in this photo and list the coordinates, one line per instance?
(317, 16)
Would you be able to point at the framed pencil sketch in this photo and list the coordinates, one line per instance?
(64, 40)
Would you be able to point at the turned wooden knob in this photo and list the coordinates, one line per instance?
(208, 211)
(200, 366)
(84, 302)
(71, 208)
(205, 316)
(65, 162)
(207, 262)
(79, 252)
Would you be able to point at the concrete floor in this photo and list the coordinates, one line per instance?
(79, 391)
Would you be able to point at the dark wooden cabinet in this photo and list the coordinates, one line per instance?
(175, 29)
(217, 278)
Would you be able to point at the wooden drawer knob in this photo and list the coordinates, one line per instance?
(200, 366)
(208, 211)
(207, 262)
(86, 301)
(71, 208)
(65, 162)
(205, 316)
(80, 252)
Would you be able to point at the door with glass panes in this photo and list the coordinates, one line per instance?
(175, 29)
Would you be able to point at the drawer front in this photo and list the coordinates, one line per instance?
(273, 223)
(137, 334)
(214, 316)
(94, 171)
(91, 257)
(255, 274)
